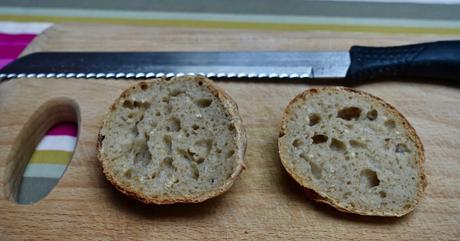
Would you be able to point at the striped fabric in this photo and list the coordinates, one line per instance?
(48, 163)
(386, 16)
(51, 157)
(14, 37)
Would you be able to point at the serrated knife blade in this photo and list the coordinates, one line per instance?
(426, 60)
(169, 64)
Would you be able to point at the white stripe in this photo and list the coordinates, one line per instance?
(244, 18)
(57, 143)
(44, 170)
(22, 28)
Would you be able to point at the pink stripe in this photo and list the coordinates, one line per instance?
(11, 45)
(63, 129)
(19, 38)
(4, 62)
(11, 51)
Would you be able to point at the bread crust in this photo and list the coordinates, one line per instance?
(320, 196)
(229, 105)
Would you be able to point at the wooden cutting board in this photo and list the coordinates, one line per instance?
(264, 203)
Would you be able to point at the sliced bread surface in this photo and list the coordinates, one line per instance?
(353, 151)
(172, 140)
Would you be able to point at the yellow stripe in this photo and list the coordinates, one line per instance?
(51, 157)
(237, 25)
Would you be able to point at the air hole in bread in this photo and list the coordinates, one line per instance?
(317, 139)
(143, 86)
(203, 103)
(173, 124)
(383, 194)
(195, 157)
(186, 154)
(401, 148)
(168, 144)
(314, 119)
(143, 157)
(195, 127)
(372, 115)
(231, 127)
(137, 104)
(337, 145)
(157, 114)
(298, 142)
(230, 154)
(128, 104)
(200, 83)
(176, 92)
(368, 179)
(357, 144)
(203, 147)
(195, 171)
(315, 169)
(346, 195)
(168, 109)
(390, 124)
(167, 161)
(128, 173)
(153, 175)
(349, 113)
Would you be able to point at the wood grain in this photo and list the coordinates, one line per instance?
(264, 203)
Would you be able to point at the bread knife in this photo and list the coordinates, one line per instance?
(425, 60)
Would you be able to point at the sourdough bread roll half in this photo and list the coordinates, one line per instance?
(353, 151)
(178, 140)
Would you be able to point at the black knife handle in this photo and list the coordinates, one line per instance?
(436, 60)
